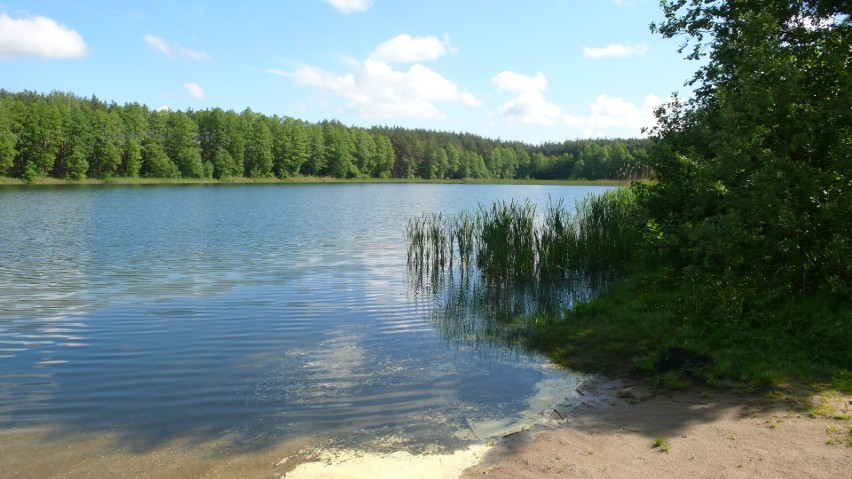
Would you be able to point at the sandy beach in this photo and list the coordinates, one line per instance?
(627, 432)
(612, 429)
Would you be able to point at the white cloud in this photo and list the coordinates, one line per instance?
(616, 50)
(407, 49)
(172, 50)
(348, 6)
(38, 37)
(195, 90)
(518, 83)
(613, 116)
(606, 116)
(377, 90)
(193, 54)
(276, 71)
(530, 107)
(159, 44)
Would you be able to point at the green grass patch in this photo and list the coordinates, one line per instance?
(642, 327)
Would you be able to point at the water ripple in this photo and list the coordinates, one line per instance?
(274, 310)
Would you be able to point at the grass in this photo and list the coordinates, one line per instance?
(641, 327)
(661, 444)
(820, 410)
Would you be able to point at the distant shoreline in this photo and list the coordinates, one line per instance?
(49, 181)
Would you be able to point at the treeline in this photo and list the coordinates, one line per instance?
(430, 154)
(66, 136)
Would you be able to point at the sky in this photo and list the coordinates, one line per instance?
(521, 70)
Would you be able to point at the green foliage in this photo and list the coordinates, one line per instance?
(64, 136)
(752, 199)
(181, 145)
(317, 162)
(339, 149)
(8, 139)
(224, 164)
(156, 163)
(292, 148)
(131, 158)
(259, 158)
(134, 118)
(105, 157)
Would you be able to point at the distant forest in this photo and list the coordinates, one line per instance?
(70, 137)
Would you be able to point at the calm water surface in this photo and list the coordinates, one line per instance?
(266, 311)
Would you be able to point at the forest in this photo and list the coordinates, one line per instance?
(65, 136)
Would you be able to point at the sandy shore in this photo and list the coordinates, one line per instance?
(705, 434)
(609, 431)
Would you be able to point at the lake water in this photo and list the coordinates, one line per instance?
(262, 313)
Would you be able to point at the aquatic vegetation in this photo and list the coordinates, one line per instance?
(491, 271)
(511, 241)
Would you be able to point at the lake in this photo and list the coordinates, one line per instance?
(144, 319)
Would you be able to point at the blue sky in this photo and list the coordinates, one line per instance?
(531, 70)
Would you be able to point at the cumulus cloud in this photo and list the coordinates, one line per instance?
(378, 90)
(38, 37)
(518, 83)
(407, 49)
(172, 50)
(349, 6)
(607, 116)
(615, 50)
(195, 90)
(529, 106)
(613, 116)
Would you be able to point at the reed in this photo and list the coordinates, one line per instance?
(506, 240)
(511, 241)
(605, 233)
(491, 271)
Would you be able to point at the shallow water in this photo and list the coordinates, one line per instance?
(266, 313)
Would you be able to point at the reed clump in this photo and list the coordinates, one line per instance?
(511, 241)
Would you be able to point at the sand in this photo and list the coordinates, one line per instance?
(609, 431)
(707, 434)
(349, 464)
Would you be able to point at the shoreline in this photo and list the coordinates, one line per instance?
(630, 432)
(610, 429)
(297, 180)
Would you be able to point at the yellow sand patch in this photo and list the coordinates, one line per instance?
(353, 464)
